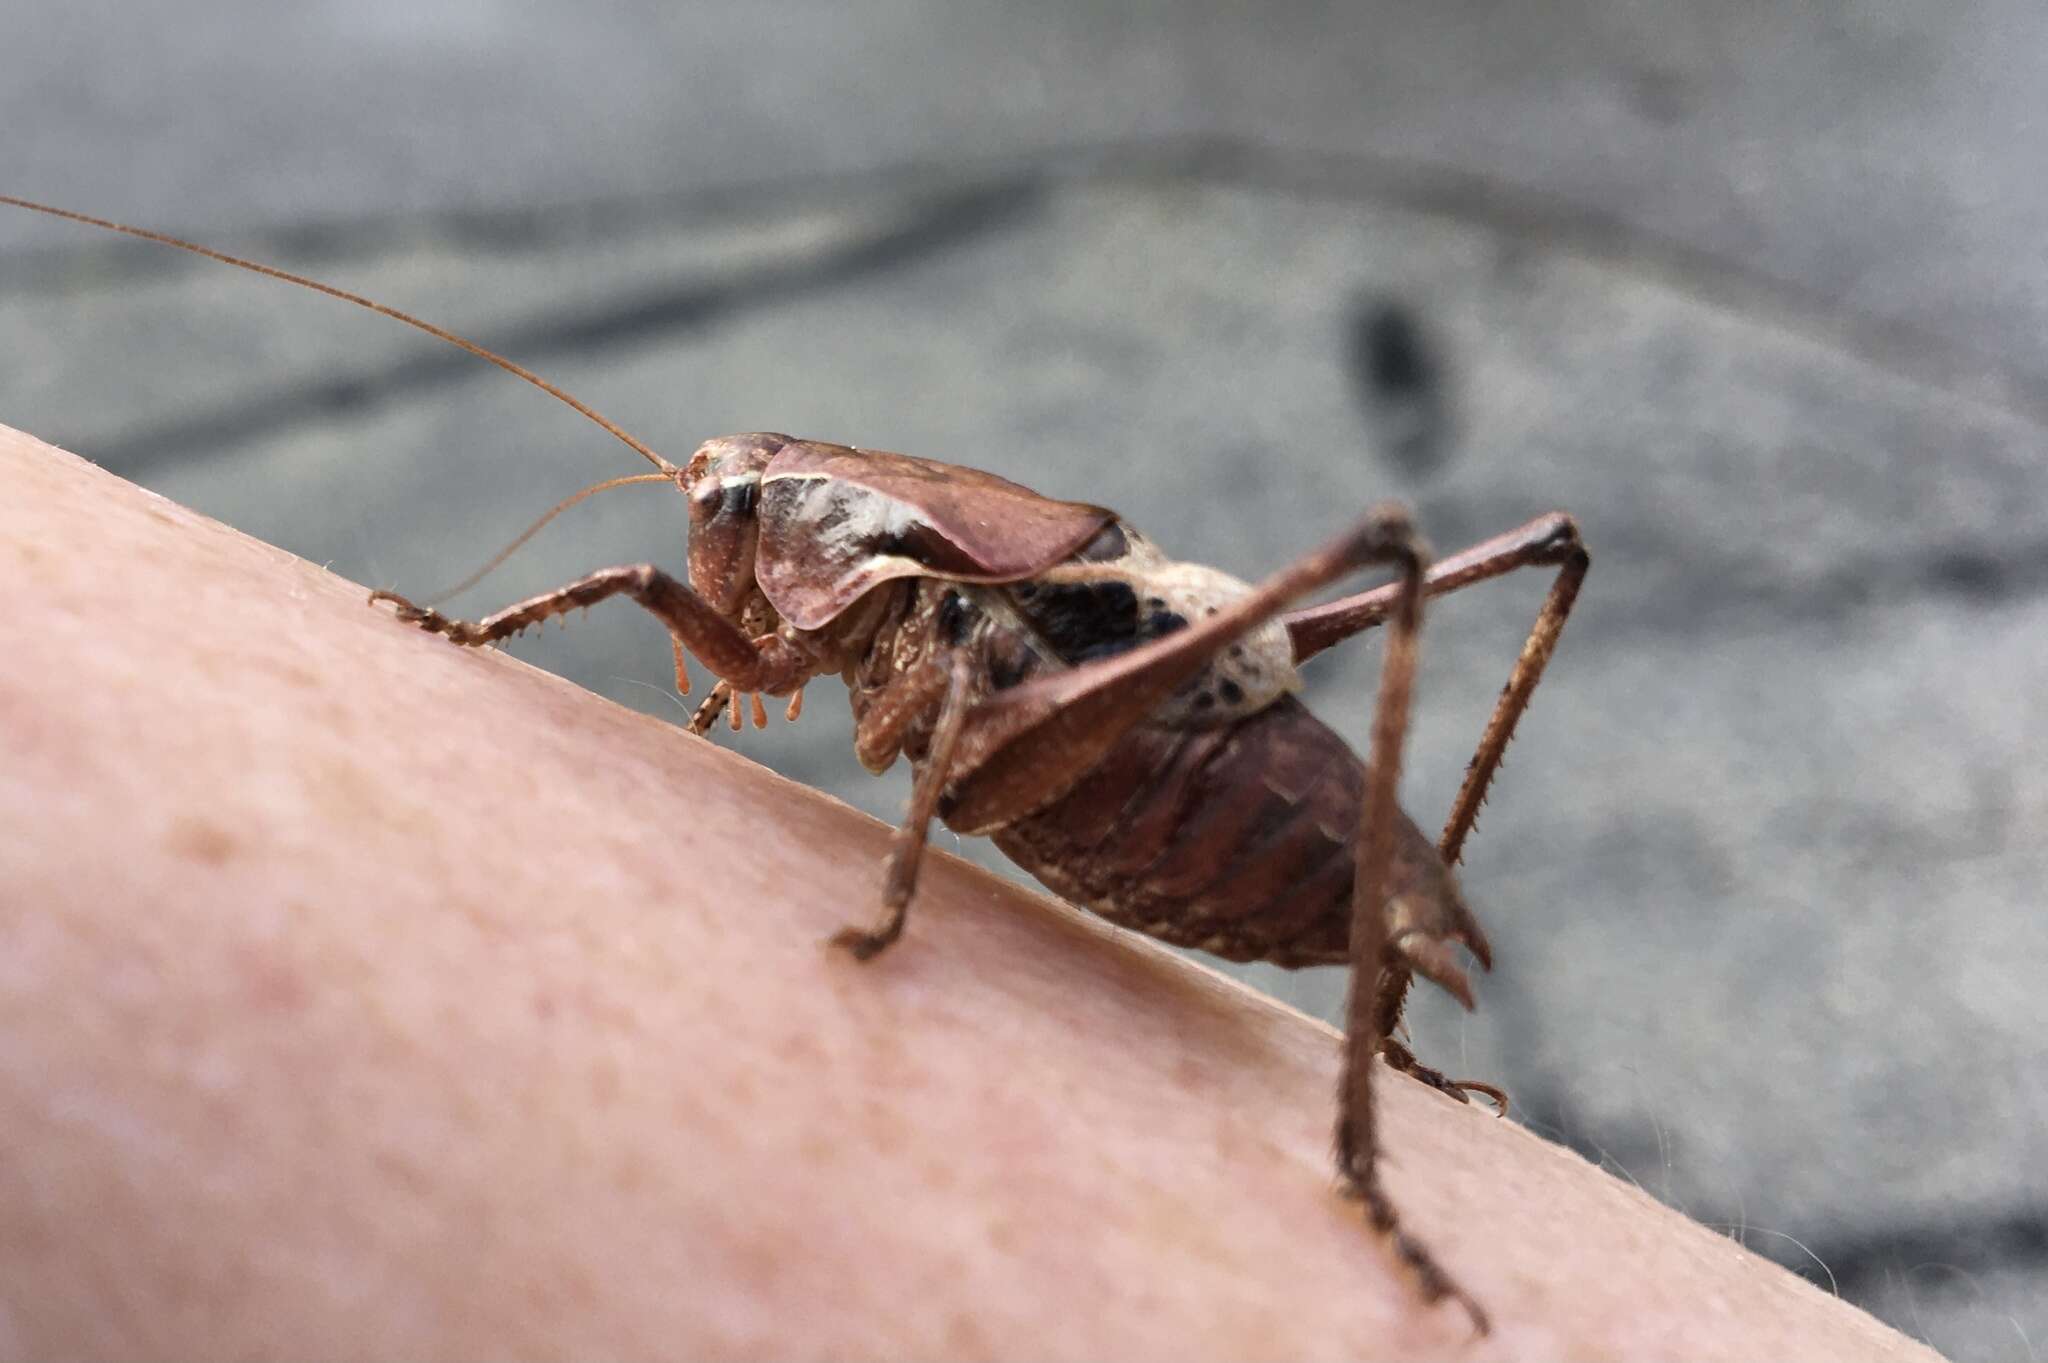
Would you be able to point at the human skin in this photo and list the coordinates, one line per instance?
(363, 996)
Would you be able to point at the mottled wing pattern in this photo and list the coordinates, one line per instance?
(836, 522)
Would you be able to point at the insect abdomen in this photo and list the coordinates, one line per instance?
(1236, 840)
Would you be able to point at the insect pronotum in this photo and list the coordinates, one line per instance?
(1123, 725)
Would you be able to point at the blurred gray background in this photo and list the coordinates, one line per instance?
(1758, 291)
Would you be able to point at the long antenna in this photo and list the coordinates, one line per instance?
(439, 333)
(530, 531)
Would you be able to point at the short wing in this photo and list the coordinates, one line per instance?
(836, 522)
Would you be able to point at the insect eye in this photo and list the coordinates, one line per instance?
(714, 498)
(705, 500)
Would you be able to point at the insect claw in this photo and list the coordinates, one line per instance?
(864, 945)
(1402, 1059)
(1435, 1284)
(1498, 1097)
(428, 619)
(402, 608)
(1481, 1325)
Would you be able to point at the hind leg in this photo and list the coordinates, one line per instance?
(1548, 541)
(1377, 945)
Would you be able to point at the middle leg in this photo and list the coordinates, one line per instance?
(906, 853)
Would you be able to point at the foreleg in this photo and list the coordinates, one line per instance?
(771, 663)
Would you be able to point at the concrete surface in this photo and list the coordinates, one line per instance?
(1760, 295)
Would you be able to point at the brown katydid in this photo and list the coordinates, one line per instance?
(1124, 726)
